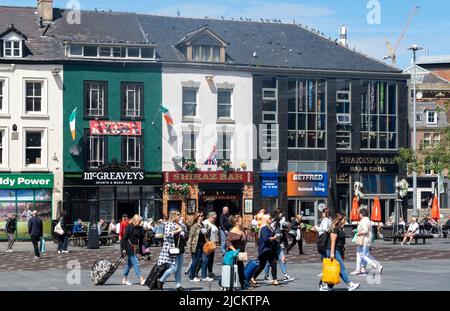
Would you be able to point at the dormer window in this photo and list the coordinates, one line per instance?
(12, 42)
(205, 53)
(110, 52)
(431, 117)
(203, 45)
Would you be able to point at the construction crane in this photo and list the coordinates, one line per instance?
(392, 52)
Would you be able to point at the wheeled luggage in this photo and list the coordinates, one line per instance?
(103, 269)
(230, 277)
(250, 268)
(156, 273)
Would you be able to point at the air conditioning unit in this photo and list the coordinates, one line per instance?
(343, 118)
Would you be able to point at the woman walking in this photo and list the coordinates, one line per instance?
(174, 238)
(131, 244)
(296, 234)
(61, 235)
(267, 251)
(335, 250)
(197, 239)
(363, 242)
(237, 241)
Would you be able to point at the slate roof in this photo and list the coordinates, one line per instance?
(276, 44)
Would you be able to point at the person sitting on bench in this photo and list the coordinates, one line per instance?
(413, 231)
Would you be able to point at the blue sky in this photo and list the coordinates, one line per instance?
(430, 28)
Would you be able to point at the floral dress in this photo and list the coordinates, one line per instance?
(169, 242)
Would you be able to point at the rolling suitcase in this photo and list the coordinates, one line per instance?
(250, 268)
(103, 269)
(156, 273)
(230, 277)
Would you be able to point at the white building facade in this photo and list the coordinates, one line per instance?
(31, 142)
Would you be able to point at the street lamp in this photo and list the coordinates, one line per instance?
(414, 48)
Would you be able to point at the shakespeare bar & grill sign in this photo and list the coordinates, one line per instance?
(355, 163)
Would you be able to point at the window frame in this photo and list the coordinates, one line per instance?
(343, 129)
(221, 138)
(378, 115)
(202, 52)
(124, 99)
(43, 111)
(230, 104)
(88, 153)
(189, 103)
(43, 147)
(428, 114)
(4, 97)
(4, 148)
(12, 49)
(138, 152)
(192, 148)
(113, 48)
(105, 99)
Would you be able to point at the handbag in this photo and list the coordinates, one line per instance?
(243, 256)
(298, 235)
(209, 246)
(58, 229)
(331, 270)
(175, 251)
(229, 257)
(42, 248)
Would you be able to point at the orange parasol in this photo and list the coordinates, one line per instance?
(376, 210)
(354, 215)
(435, 211)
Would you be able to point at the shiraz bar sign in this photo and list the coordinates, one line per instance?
(357, 163)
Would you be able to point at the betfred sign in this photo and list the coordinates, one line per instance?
(313, 184)
(26, 181)
(208, 177)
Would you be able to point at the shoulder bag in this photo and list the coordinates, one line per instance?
(209, 246)
(58, 229)
(175, 251)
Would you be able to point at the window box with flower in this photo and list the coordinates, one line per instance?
(190, 166)
(177, 189)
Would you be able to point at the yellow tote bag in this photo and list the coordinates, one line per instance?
(331, 271)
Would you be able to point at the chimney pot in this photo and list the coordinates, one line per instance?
(45, 10)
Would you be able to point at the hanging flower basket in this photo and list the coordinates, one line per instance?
(402, 188)
(226, 165)
(190, 166)
(177, 189)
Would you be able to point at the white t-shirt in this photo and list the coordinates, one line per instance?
(414, 228)
(214, 230)
(325, 225)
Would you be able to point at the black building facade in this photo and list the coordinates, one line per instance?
(329, 132)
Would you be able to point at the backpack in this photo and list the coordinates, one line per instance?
(322, 242)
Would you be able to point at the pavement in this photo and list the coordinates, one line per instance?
(428, 265)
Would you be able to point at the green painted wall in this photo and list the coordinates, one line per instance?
(74, 77)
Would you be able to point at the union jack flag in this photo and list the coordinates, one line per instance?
(212, 160)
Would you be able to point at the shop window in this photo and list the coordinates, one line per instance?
(33, 147)
(133, 148)
(307, 110)
(224, 146)
(224, 103)
(95, 98)
(379, 115)
(96, 151)
(189, 102)
(132, 100)
(33, 96)
(189, 146)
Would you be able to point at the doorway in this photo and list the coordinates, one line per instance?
(127, 207)
(307, 208)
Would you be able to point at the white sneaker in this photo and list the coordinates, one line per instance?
(352, 286)
(356, 272)
(128, 283)
(288, 278)
(9, 250)
(66, 252)
(59, 252)
(324, 288)
(195, 280)
(380, 269)
(320, 274)
(207, 279)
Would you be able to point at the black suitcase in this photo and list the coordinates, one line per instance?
(156, 273)
(103, 269)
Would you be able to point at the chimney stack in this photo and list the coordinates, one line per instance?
(45, 10)
(343, 35)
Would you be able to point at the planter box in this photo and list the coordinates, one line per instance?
(310, 237)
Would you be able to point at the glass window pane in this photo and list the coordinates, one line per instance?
(292, 121)
(292, 139)
(312, 139)
(105, 51)
(147, 53)
(301, 121)
(33, 139)
(133, 52)
(117, 52)
(311, 122)
(301, 139)
(76, 50)
(43, 195)
(90, 51)
(224, 97)
(189, 95)
(7, 195)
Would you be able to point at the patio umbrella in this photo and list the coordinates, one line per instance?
(354, 215)
(376, 210)
(435, 211)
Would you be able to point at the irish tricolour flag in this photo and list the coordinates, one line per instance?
(72, 120)
(166, 115)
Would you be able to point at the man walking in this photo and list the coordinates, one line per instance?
(224, 228)
(10, 229)
(35, 230)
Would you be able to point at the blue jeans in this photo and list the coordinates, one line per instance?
(366, 257)
(199, 256)
(223, 241)
(63, 241)
(282, 264)
(175, 268)
(338, 257)
(132, 262)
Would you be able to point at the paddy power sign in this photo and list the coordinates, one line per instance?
(26, 181)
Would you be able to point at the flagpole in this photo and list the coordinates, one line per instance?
(156, 114)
